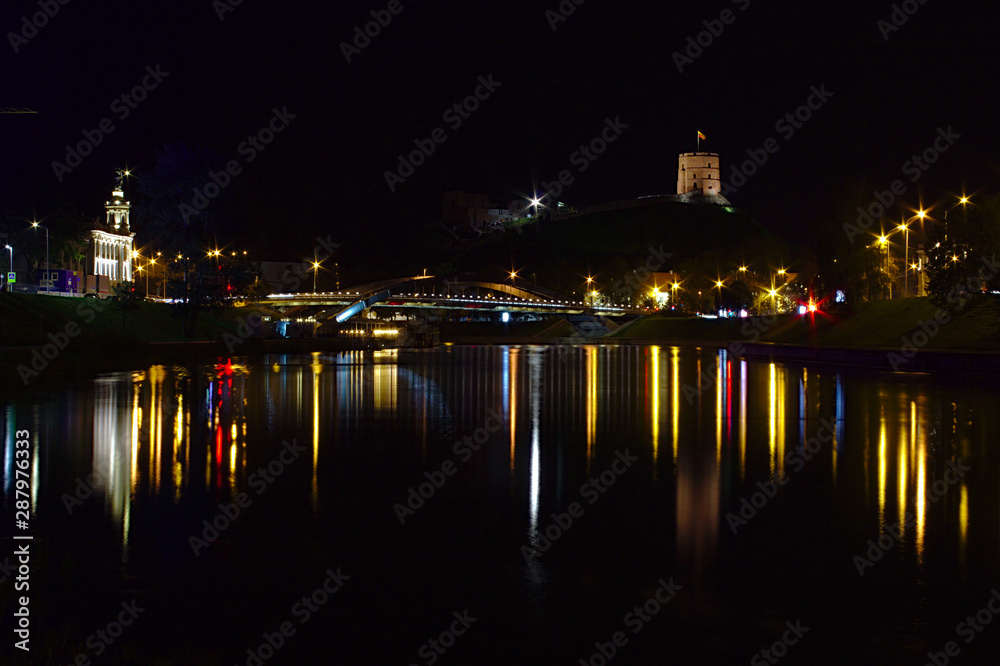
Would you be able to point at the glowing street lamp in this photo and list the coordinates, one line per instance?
(536, 202)
(151, 262)
(773, 293)
(315, 266)
(47, 280)
(961, 202)
(11, 269)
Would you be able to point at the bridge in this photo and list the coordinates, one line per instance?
(427, 293)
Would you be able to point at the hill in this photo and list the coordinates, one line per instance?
(608, 242)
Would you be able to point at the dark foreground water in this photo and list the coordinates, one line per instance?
(521, 505)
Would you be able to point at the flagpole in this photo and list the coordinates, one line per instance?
(699, 141)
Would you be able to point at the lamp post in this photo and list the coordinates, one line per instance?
(47, 281)
(883, 241)
(11, 269)
(904, 227)
(962, 202)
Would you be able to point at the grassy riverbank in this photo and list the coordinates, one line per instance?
(27, 320)
(90, 337)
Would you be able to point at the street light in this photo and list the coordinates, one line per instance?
(961, 202)
(883, 241)
(47, 280)
(11, 269)
(536, 202)
(315, 273)
(904, 227)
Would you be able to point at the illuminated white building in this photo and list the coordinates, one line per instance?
(110, 250)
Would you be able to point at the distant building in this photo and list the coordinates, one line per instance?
(476, 210)
(699, 171)
(109, 252)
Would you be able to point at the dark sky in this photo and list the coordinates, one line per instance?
(324, 174)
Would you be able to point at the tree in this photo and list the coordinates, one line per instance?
(961, 266)
(126, 297)
(847, 256)
(68, 232)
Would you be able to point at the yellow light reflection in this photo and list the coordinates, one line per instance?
(178, 466)
(772, 416)
(963, 522)
(317, 368)
(881, 472)
(136, 427)
(921, 500)
(903, 474)
(156, 376)
(675, 396)
(591, 404)
(232, 466)
(655, 404)
(385, 387)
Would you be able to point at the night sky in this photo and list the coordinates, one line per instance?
(325, 173)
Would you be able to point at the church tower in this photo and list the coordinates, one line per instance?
(110, 252)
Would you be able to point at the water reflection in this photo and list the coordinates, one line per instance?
(169, 433)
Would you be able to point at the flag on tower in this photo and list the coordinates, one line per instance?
(702, 136)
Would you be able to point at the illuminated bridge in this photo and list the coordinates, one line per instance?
(429, 293)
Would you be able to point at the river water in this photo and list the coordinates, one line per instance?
(508, 505)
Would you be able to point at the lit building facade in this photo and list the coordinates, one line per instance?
(110, 250)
